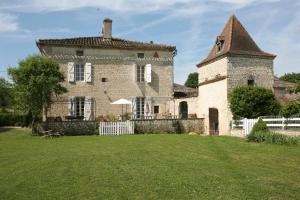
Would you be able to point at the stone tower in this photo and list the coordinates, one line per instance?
(234, 60)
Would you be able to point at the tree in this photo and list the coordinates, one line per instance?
(291, 77)
(252, 102)
(292, 108)
(294, 78)
(5, 93)
(192, 80)
(37, 79)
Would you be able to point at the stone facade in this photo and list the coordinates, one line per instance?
(234, 71)
(113, 74)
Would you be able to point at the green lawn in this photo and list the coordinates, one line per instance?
(145, 167)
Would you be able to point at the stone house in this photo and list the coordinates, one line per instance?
(234, 60)
(103, 69)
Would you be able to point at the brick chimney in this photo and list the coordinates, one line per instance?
(107, 29)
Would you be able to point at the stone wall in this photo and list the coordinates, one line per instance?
(118, 67)
(169, 126)
(70, 127)
(141, 126)
(192, 105)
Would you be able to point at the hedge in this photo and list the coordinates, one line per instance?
(10, 119)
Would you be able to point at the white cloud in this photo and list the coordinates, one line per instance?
(115, 5)
(8, 23)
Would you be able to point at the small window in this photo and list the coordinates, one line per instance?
(79, 53)
(79, 72)
(156, 55)
(140, 73)
(140, 55)
(220, 45)
(156, 109)
(250, 82)
(104, 80)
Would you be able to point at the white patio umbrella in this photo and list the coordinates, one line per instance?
(122, 102)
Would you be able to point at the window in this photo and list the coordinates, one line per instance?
(140, 55)
(140, 103)
(251, 81)
(79, 72)
(156, 109)
(79, 53)
(104, 80)
(140, 73)
(79, 106)
(220, 45)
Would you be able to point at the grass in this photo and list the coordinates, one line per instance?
(145, 167)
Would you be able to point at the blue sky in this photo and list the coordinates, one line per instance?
(191, 25)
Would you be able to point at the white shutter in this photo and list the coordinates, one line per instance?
(71, 72)
(71, 106)
(134, 72)
(88, 108)
(133, 107)
(148, 106)
(148, 69)
(88, 72)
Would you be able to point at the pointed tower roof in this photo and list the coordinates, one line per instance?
(234, 40)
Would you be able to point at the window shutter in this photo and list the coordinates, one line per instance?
(88, 72)
(148, 107)
(88, 108)
(133, 107)
(71, 106)
(148, 73)
(135, 72)
(71, 72)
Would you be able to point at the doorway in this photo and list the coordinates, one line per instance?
(183, 110)
(213, 121)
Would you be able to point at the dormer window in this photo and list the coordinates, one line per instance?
(79, 53)
(220, 43)
(140, 55)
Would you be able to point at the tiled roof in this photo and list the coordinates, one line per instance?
(283, 84)
(100, 42)
(237, 41)
(181, 91)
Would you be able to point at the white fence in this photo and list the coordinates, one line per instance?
(116, 128)
(280, 122)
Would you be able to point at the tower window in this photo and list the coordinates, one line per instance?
(220, 43)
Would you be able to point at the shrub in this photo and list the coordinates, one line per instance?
(272, 138)
(10, 119)
(252, 102)
(291, 109)
(260, 125)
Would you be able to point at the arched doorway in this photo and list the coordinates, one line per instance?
(183, 110)
(213, 121)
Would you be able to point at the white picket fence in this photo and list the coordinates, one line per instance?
(116, 128)
(280, 122)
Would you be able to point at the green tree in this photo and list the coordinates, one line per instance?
(192, 80)
(37, 79)
(252, 102)
(292, 108)
(291, 77)
(5, 93)
(294, 78)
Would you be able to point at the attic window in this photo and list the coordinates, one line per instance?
(140, 55)
(79, 53)
(220, 43)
